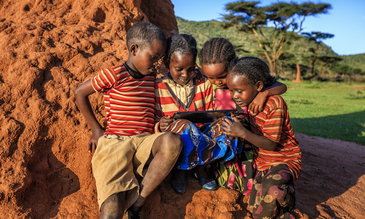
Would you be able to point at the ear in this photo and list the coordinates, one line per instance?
(259, 86)
(133, 49)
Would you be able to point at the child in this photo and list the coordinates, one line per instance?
(128, 145)
(215, 57)
(277, 152)
(181, 90)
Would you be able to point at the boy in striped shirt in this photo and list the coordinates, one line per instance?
(277, 153)
(128, 144)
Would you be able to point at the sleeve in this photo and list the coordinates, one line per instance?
(104, 80)
(274, 85)
(157, 124)
(158, 108)
(273, 124)
(158, 103)
(209, 105)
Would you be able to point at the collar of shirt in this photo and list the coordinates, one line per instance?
(183, 92)
(133, 73)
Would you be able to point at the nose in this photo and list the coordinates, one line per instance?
(184, 74)
(217, 82)
(234, 95)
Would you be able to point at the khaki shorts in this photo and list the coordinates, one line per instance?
(115, 161)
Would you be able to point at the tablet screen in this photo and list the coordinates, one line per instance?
(202, 116)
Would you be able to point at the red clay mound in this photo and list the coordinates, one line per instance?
(48, 48)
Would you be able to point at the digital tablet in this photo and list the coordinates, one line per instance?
(202, 116)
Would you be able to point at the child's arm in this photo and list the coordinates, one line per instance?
(257, 104)
(235, 129)
(81, 93)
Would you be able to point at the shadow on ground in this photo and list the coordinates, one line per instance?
(337, 126)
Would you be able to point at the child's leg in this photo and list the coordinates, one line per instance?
(113, 206)
(165, 151)
(273, 193)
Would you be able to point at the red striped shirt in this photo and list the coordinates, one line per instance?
(274, 123)
(167, 105)
(129, 103)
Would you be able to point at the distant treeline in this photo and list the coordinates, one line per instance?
(330, 66)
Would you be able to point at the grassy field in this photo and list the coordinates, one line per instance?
(330, 110)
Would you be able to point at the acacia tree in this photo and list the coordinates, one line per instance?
(316, 37)
(287, 19)
(329, 62)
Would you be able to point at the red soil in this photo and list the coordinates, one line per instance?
(49, 47)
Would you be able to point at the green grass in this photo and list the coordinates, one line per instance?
(331, 110)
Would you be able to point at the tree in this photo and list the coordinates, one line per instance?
(330, 62)
(342, 69)
(356, 71)
(287, 19)
(287, 61)
(316, 37)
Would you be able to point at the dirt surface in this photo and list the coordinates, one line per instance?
(47, 48)
(332, 185)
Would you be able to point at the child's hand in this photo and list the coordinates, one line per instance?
(165, 122)
(257, 104)
(233, 128)
(94, 139)
(238, 115)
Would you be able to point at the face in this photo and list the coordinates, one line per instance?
(241, 91)
(182, 67)
(216, 73)
(143, 59)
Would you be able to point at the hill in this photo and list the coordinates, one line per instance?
(245, 46)
(355, 61)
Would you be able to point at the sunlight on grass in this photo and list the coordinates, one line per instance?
(332, 110)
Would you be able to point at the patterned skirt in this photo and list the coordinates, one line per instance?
(202, 146)
(238, 173)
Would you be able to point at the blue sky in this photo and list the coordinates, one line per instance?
(346, 20)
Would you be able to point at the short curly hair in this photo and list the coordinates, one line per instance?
(217, 50)
(183, 43)
(254, 69)
(144, 32)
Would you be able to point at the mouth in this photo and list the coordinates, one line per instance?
(240, 103)
(222, 86)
